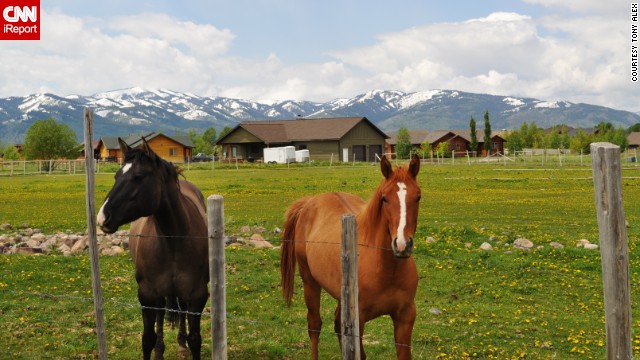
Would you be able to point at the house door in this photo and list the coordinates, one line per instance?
(373, 150)
(345, 154)
(359, 153)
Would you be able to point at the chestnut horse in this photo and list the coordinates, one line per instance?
(168, 244)
(387, 276)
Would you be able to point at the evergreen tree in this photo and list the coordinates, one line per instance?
(473, 145)
(487, 133)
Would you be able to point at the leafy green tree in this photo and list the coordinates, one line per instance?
(10, 153)
(403, 143)
(606, 132)
(473, 145)
(633, 128)
(210, 136)
(580, 142)
(201, 145)
(487, 133)
(425, 150)
(443, 149)
(49, 140)
(515, 142)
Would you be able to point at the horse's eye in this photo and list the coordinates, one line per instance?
(384, 199)
(418, 198)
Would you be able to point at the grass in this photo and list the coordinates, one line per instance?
(501, 304)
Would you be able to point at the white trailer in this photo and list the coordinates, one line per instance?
(302, 155)
(280, 155)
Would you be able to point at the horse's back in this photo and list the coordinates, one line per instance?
(318, 235)
(193, 194)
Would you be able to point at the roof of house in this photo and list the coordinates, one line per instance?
(283, 131)
(111, 142)
(634, 138)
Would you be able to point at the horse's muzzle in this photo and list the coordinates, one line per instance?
(404, 253)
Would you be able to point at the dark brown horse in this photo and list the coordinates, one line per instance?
(387, 276)
(168, 244)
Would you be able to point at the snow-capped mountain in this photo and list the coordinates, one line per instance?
(122, 112)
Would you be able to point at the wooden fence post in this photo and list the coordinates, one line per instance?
(350, 328)
(91, 233)
(215, 210)
(607, 185)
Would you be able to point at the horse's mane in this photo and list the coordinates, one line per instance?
(168, 168)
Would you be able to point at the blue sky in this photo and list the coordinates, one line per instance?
(321, 50)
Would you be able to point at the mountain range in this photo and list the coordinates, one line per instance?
(134, 110)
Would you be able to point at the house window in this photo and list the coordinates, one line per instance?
(234, 151)
(173, 151)
(494, 145)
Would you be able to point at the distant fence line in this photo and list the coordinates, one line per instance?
(526, 157)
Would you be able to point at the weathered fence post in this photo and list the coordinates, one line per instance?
(350, 328)
(607, 185)
(215, 210)
(91, 232)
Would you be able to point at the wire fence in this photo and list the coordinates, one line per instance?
(127, 303)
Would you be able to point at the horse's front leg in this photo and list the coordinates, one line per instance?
(402, 329)
(194, 339)
(149, 317)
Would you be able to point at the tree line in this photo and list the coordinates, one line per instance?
(528, 136)
(51, 140)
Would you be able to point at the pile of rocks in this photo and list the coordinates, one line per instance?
(27, 240)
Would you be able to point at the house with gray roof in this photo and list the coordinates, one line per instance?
(338, 139)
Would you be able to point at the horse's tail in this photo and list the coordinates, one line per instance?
(172, 315)
(287, 254)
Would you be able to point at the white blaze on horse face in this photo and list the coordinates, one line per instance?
(126, 168)
(401, 242)
(101, 217)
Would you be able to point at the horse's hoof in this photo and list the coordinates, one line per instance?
(183, 353)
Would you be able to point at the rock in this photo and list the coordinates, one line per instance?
(28, 250)
(591, 246)
(80, 246)
(522, 243)
(5, 226)
(430, 240)
(556, 245)
(582, 242)
(493, 238)
(486, 246)
(435, 311)
(245, 229)
(258, 242)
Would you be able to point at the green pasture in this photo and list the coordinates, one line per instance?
(500, 304)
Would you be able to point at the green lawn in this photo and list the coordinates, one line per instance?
(500, 304)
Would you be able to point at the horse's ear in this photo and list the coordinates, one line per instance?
(147, 149)
(414, 165)
(385, 167)
(124, 147)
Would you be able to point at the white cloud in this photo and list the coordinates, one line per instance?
(580, 54)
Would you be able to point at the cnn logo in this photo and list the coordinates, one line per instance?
(20, 20)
